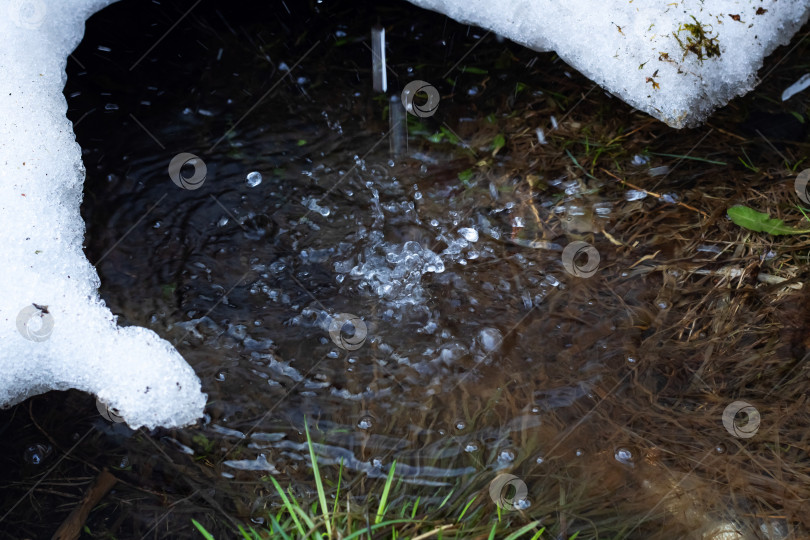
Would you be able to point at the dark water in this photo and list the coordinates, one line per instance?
(481, 353)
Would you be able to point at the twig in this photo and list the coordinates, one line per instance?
(654, 194)
(71, 528)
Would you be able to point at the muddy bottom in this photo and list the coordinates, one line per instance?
(428, 305)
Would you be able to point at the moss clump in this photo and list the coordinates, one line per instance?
(697, 40)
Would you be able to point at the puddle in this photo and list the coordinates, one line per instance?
(425, 308)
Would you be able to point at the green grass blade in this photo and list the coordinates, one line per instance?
(386, 491)
(277, 527)
(318, 482)
(288, 505)
(364, 530)
(523, 530)
(415, 506)
(492, 532)
(693, 158)
(243, 532)
(305, 517)
(337, 493)
(540, 533)
(570, 155)
(207, 535)
(466, 507)
(447, 498)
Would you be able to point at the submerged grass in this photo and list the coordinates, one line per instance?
(296, 520)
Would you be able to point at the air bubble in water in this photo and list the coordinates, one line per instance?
(36, 453)
(624, 455)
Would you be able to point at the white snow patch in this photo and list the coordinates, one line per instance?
(55, 331)
(629, 47)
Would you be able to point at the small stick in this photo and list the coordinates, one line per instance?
(654, 194)
(71, 528)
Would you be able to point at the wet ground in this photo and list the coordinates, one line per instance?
(474, 350)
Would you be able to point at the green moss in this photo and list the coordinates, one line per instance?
(697, 40)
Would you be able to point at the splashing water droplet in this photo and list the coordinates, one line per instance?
(522, 504)
(365, 423)
(490, 339)
(506, 456)
(254, 179)
(469, 234)
(635, 194)
(640, 160)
